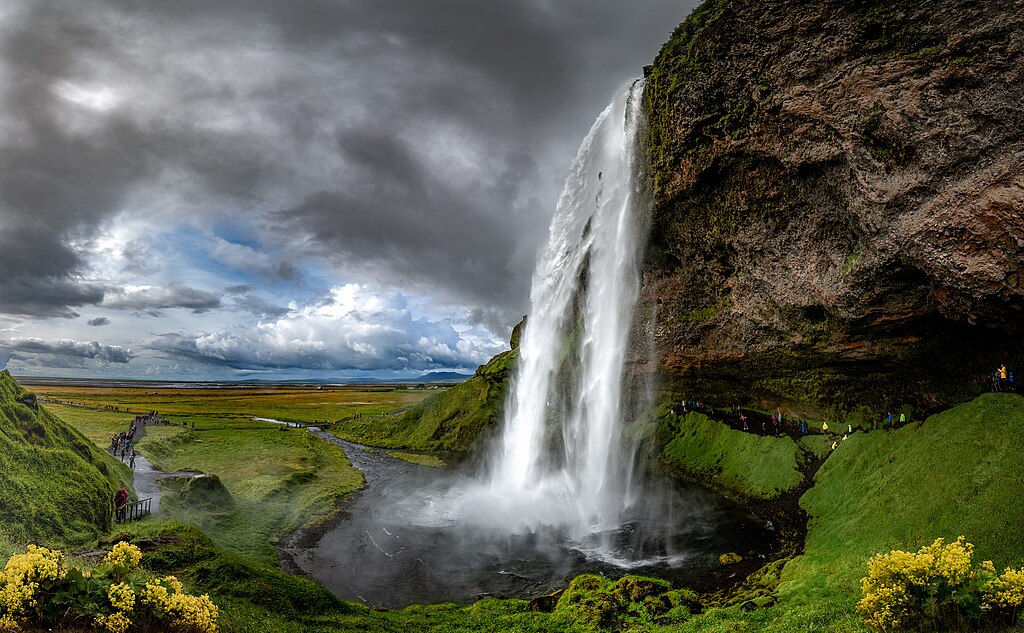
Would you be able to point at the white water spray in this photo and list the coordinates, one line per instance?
(582, 303)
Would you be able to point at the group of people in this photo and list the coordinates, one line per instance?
(122, 444)
(1002, 379)
(778, 423)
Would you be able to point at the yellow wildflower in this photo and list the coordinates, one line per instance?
(124, 555)
(114, 623)
(121, 597)
(1007, 590)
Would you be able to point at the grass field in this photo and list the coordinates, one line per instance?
(957, 473)
(273, 479)
(294, 404)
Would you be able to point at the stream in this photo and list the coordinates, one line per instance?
(395, 543)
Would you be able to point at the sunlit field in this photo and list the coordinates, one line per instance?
(275, 479)
(295, 404)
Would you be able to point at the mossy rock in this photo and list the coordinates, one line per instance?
(730, 558)
(205, 492)
(598, 603)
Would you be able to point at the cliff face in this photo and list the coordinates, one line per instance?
(839, 200)
(57, 487)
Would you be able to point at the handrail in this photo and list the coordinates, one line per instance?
(133, 511)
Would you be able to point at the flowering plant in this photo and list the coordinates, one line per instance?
(38, 588)
(937, 587)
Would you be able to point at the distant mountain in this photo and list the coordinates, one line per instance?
(443, 376)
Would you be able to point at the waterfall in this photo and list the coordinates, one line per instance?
(572, 352)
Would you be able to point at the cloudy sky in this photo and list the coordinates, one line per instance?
(314, 189)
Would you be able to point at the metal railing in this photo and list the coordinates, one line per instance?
(133, 511)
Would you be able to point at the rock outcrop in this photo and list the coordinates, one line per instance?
(839, 200)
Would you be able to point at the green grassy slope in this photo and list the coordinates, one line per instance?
(449, 420)
(709, 452)
(276, 480)
(58, 488)
(958, 472)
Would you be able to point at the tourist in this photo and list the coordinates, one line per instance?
(903, 419)
(131, 460)
(121, 502)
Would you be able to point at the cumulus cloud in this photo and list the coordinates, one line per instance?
(152, 300)
(352, 329)
(64, 350)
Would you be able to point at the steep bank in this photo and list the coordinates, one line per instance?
(57, 487)
(839, 201)
(451, 420)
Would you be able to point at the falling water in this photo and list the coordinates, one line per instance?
(557, 499)
(572, 352)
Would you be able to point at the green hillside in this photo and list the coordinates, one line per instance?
(958, 472)
(710, 453)
(58, 488)
(450, 420)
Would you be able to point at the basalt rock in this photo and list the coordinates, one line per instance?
(838, 201)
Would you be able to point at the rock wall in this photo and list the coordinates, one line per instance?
(839, 201)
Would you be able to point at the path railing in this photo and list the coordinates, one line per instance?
(133, 511)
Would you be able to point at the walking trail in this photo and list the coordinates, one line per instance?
(145, 475)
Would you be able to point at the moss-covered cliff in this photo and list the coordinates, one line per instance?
(839, 200)
(57, 487)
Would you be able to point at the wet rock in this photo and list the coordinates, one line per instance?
(545, 604)
(839, 201)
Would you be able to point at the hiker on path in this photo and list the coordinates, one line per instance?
(131, 461)
(120, 502)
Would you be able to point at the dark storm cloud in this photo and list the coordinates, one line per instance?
(415, 142)
(152, 300)
(24, 348)
(98, 321)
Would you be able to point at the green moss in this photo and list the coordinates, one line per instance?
(700, 314)
(433, 461)
(597, 603)
(738, 463)
(58, 487)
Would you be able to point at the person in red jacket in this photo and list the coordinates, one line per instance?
(120, 502)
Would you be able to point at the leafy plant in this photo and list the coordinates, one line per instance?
(38, 588)
(937, 588)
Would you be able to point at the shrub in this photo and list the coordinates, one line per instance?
(937, 588)
(39, 589)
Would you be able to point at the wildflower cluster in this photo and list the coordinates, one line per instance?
(187, 613)
(937, 587)
(27, 578)
(124, 555)
(39, 589)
